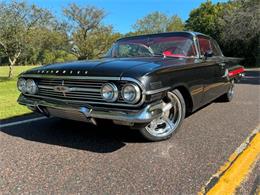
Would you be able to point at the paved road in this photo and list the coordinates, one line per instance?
(61, 156)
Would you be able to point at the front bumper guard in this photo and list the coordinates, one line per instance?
(124, 117)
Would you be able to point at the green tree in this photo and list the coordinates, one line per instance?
(205, 19)
(52, 38)
(241, 29)
(94, 44)
(157, 22)
(175, 24)
(235, 25)
(90, 37)
(57, 56)
(17, 20)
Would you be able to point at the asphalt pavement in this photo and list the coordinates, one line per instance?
(65, 157)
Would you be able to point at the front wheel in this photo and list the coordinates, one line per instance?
(173, 114)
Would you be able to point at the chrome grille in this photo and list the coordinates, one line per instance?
(78, 89)
(81, 89)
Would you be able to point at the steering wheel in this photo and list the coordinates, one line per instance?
(147, 50)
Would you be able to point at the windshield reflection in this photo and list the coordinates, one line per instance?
(173, 46)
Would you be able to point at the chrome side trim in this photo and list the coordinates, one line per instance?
(144, 92)
(135, 81)
(151, 92)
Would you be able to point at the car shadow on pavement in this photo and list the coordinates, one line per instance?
(105, 138)
(251, 77)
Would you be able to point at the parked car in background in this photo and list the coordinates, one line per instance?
(148, 82)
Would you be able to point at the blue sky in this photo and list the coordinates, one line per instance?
(122, 14)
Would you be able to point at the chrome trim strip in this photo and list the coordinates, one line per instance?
(71, 89)
(83, 89)
(135, 81)
(45, 87)
(69, 77)
(82, 102)
(151, 92)
(144, 92)
(74, 96)
(195, 40)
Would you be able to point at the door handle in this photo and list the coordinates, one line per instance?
(222, 64)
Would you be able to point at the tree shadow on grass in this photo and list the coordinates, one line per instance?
(6, 78)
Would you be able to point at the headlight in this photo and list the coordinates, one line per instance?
(31, 87)
(131, 93)
(21, 85)
(109, 92)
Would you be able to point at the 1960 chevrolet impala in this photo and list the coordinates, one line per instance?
(148, 82)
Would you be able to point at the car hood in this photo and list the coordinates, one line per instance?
(111, 67)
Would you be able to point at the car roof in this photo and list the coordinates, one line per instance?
(187, 33)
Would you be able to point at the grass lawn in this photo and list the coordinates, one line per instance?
(9, 93)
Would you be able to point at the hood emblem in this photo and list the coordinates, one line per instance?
(61, 88)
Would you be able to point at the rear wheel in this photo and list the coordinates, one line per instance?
(227, 97)
(164, 126)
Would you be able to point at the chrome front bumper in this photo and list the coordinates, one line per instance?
(89, 114)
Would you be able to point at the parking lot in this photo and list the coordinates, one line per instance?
(60, 156)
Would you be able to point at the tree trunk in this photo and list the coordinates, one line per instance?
(10, 75)
(12, 63)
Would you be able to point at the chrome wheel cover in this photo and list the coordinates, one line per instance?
(231, 90)
(170, 119)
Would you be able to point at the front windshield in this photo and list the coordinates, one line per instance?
(173, 46)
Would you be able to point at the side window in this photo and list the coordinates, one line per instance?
(124, 50)
(204, 43)
(215, 48)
